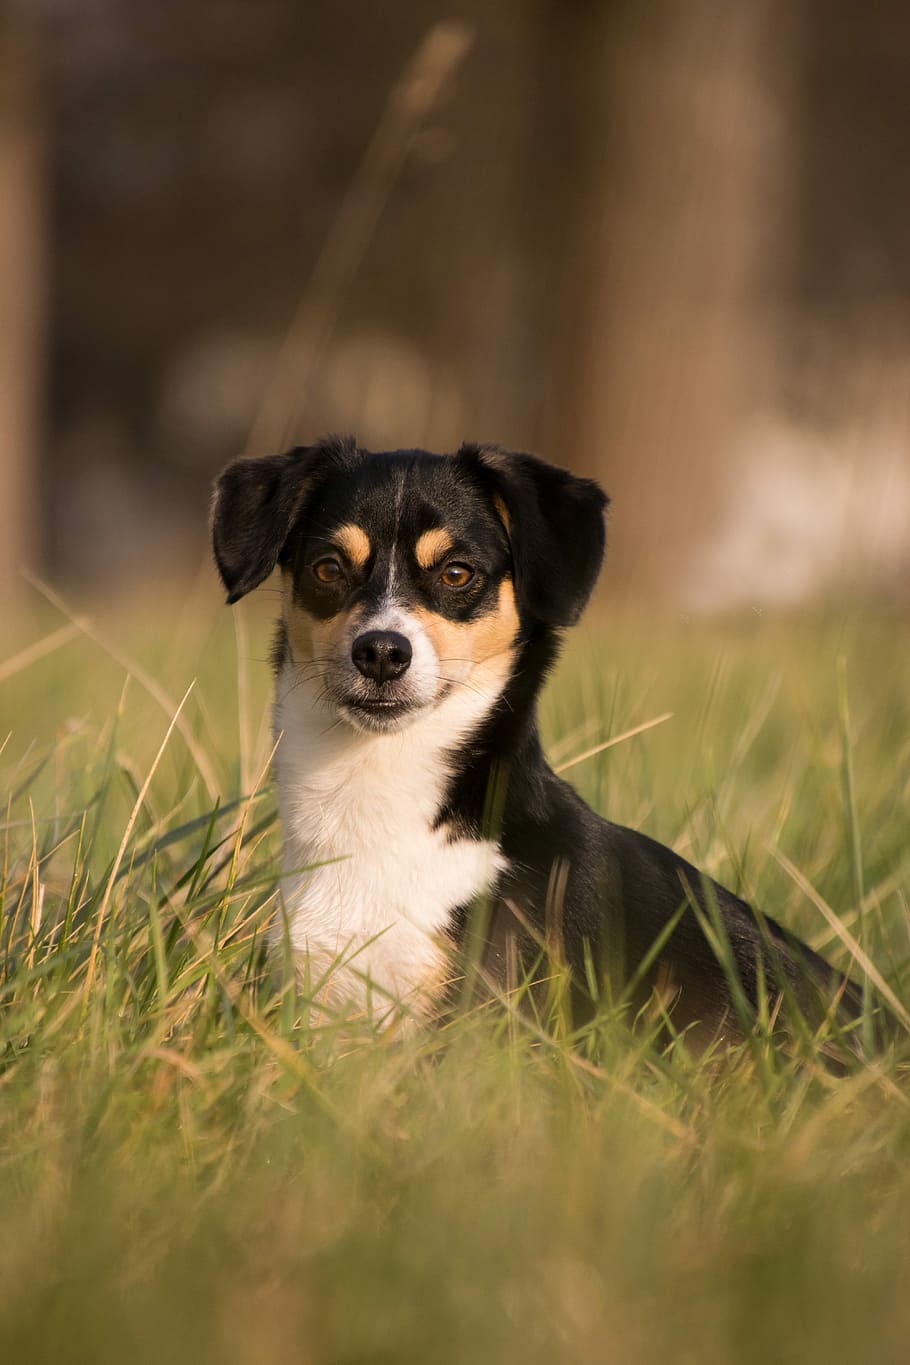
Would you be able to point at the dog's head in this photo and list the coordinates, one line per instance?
(408, 574)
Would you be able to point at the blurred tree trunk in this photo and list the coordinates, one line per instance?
(21, 302)
(660, 355)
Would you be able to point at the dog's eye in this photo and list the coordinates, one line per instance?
(456, 575)
(328, 570)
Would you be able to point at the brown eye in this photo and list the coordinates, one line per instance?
(328, 570)
(456, 575)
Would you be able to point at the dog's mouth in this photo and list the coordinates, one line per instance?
(378, 713)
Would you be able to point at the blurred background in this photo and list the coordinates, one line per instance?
(663, 243)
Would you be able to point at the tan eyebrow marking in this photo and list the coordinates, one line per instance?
(355, 542)
(431, 547)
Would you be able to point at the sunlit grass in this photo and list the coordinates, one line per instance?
(194, 1167)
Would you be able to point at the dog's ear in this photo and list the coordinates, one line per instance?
(556, 526)
(254, 507)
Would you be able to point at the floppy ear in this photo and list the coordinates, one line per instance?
(555, 522)
(255, 503)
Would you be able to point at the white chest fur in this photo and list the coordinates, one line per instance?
(363, 805)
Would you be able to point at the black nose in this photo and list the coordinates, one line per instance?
(381, 655)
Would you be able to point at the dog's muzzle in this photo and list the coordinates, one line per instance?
(389, 676)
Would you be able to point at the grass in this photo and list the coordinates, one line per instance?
(189, 1173)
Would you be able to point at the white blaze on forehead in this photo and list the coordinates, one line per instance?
(399, 499)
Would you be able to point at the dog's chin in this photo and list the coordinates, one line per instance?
(380, 716)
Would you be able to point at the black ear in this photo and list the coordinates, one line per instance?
(556, 525)
(255, 503)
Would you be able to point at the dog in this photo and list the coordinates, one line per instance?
(423, 598)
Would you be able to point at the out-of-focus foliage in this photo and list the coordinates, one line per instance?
(663, 244)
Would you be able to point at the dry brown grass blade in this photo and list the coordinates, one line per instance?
(433, 65)
(101, 915)
(615, 739)
(843, 933)
(39, 650)
(653, 1112)
(142, 676)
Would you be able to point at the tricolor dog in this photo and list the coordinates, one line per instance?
(422, 601)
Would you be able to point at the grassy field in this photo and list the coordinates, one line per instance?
(187, 1173)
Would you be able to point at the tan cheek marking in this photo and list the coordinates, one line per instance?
(309, 637)
(355, 542)
(498, 630)
(431, 547)
(474, 641)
